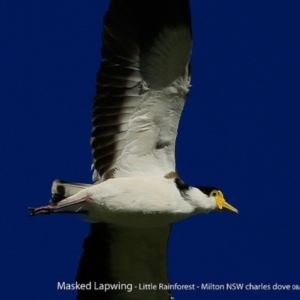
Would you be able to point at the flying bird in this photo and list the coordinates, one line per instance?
(137, 195)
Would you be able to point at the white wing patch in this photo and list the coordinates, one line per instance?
(142, 86)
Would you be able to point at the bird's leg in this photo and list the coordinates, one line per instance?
(49, 209)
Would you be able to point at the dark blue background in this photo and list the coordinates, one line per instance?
(239, 131)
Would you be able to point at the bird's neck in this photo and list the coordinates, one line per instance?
(200, 202)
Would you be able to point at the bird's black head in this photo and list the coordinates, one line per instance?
(211, 191)
(207, 190)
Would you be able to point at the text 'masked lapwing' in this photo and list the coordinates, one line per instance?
(142, 86)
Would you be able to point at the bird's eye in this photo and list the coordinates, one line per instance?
(214, 194)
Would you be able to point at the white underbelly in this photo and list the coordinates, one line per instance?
(137, 202)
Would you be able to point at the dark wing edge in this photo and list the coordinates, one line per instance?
(98, 262)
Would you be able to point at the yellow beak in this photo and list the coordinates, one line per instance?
(221, 202)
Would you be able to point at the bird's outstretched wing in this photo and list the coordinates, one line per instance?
(141, 87)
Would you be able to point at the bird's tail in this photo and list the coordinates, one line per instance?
(63, 189)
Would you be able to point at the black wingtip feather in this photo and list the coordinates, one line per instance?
(94, 263)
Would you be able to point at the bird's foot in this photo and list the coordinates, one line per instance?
(47, 209)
